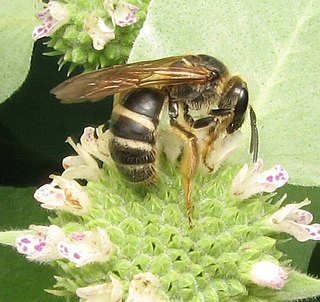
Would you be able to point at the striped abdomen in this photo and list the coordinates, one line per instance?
(134, 124)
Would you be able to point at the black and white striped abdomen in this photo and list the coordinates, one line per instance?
(134, 124)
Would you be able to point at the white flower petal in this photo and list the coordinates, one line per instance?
(276, 176)
(42, 244)
(97, 146)
(290, 219)
(124, 14)
(111, 292)
(81, 166)
(63, 194)
(86, 247)
(251, 180)
(223, 147)
(99, 32)
(58, 11)
(314, 231)
(52, 17)
(299, 231)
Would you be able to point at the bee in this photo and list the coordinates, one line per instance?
(182, 83)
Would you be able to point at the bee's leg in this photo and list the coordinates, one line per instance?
(189, 163)
(190, 157)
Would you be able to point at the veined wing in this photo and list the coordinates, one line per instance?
(94, 86)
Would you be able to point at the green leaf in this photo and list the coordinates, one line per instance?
(274, 45)
(17, 20)
(300, 286)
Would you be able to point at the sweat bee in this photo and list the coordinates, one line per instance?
(182, 83)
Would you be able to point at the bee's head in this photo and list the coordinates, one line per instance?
(235, 97)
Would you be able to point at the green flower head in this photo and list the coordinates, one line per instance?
(116, 242)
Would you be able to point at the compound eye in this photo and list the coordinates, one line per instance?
(240, 109)
(242, 104)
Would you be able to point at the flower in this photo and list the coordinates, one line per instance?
(144, 288)
(84, 165)
(52, 17)
(251, 180)
(290, 219)
(268, 274)
(51, 243)
(99, 32)
(111, 292)
(97, 146)
(222, 148)
(63, 194)
(121, 12)
(41, 243)
(86, 247)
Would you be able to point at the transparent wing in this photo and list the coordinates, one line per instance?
(96, 85)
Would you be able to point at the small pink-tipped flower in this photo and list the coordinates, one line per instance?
(252, 180)
(86, 247)
(121, 12)
(111, 292)
(290, 219)
(41, 243)
(63, 194)
(52, 17)
(144, 287)
(268, 274)
(99, 32)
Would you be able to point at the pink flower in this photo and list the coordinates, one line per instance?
(252, 180)
(290, 219)
(41, 243)
(121, 12)
(86, 247)
(52, 17)
(63, 194)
